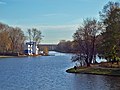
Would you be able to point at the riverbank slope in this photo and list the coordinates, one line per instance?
(96, 69)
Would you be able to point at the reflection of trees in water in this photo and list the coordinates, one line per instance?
(112, 82)
(95, 82)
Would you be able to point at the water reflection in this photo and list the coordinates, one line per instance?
(96, 82)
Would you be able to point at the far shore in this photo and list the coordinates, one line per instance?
(23, 55)
(6, 56)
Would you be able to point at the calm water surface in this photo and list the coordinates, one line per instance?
(48, 73)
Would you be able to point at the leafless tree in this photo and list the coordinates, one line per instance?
(85, 37)
(34, 35)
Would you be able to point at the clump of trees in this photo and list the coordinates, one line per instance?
(11, 39)
(85, 39)
(34, 35)
(65, 46)
(97, 38)
(109, 47)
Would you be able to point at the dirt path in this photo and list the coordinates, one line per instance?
(97, 66)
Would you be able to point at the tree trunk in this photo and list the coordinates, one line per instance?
(92, 50)
(87, 62)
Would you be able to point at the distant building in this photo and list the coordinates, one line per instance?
(31, 48)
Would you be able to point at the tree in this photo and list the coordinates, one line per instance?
(17, 38)
(85, 37)
(12, 39)
(65, 46)
(3, 27)
(34, 35)
(109, 48)
(29, 34)
(5, 42)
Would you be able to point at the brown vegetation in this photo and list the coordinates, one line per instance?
(11, 39)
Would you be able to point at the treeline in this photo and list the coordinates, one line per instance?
(95, 37)
(65, 47)
(11, 39)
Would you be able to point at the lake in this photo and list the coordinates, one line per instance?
(48, 73)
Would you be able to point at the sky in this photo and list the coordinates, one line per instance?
(57, 19)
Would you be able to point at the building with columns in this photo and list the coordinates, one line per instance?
(31, 48)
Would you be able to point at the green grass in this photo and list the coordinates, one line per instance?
(97, 71)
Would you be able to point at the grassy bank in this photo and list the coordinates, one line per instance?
(95, 70)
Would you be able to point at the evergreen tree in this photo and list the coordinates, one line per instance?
(110, 45)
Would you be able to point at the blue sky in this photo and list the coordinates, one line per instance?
(57, 19)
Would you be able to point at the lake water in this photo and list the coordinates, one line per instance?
(48, 73)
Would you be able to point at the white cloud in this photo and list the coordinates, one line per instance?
(49, 27)
(2, 3)
(59, 27)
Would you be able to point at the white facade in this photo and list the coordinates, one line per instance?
(31, 48)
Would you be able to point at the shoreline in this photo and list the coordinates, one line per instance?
(9, 56)
(6, 56)
(95, 71)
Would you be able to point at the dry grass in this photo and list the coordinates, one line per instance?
(98, 69)
(110, 65)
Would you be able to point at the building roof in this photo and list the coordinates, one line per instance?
(30, 43)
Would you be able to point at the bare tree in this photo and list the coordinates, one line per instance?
(17, 38)
(85, 37)
(12, 39)
(5, 42)
(34, 35)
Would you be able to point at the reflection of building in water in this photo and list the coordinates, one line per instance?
(31, 48)
(51, 47)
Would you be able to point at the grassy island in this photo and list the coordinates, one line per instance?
(98, 69)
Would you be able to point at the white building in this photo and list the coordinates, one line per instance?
(31, 48)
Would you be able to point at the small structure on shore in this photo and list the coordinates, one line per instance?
(31, 48)
(45, 51)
